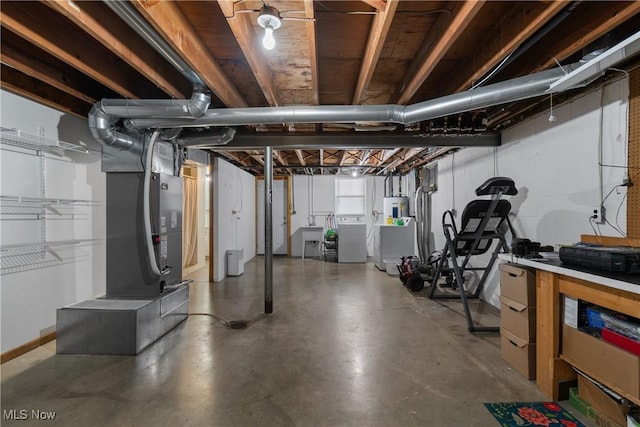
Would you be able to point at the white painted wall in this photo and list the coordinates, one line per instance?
(29, 299)
(234, 190)
(555, 168)
(314, 199)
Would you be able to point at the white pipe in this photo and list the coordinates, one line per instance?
(153, 262)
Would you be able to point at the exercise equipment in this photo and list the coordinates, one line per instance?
(482, 222)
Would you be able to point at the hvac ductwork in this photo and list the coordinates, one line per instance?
(487, 96)
(105, 113)
(207, 138)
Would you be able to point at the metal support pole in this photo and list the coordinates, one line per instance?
(268, 231)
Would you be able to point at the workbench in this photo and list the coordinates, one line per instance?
(553, 281)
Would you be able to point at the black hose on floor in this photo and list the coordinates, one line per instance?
(232, 324)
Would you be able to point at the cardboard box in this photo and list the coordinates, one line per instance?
(518, 284)
(601, 401)
(606, 363)
(585, 409)
(519, 353)
(518, 319)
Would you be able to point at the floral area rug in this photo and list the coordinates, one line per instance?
(523, 414)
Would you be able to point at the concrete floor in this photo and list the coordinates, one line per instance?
(347, 345)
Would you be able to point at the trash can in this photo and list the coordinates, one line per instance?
(235, 266)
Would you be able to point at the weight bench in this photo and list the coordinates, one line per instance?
(483, 221)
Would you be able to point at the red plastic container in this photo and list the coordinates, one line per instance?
(621, 341)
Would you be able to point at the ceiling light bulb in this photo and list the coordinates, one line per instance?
(269, 42)
(354, 173)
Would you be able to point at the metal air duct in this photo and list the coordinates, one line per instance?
(129, 15)
(105, 113)
(487, 96)
(207, 138)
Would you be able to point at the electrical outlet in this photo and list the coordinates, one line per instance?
(599, 215)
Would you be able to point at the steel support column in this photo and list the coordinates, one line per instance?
(268, 230)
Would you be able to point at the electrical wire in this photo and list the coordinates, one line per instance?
(233, 324)
(591, 218)
(495, 70)
(153, 262)
(620, 207)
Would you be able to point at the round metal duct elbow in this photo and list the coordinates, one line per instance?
(102, 130)
(199, 103)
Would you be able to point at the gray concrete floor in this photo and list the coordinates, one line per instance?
(347, 345)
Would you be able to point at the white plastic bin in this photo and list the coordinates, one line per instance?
(235, 265)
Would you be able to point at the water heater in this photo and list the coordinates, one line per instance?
(396, 207)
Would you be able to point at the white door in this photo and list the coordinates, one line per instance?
(279, 216)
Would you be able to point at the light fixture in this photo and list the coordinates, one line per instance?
(552, 118)
(270, 20)
(354, 173)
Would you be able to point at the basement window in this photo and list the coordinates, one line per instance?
(350, 196)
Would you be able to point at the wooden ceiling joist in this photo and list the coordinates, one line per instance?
(35, 90)
(345, 154)
(378, 4)
(300, 158)
(387, 155)
(242, 27)
(277, 154)
(408, 154)
(63, 45)
(310, 27)
(592, 32)
(33, 67)
(377, 36)
(257, 156)
(457, 25)
(169, 21)
(232, 156)
(111, 33)
(522, 26)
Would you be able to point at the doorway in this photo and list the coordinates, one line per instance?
(195, 227)
(281, 217)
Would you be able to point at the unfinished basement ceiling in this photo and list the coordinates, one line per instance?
(327, 53)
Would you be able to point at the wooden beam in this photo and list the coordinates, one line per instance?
(462, 18)
(522, 26)
(169, 21)
(387, 155)
(310, 27)
(231, 156)
(117, 37)
(345, 154)
(278, 156)
(242, 26)
(37, 91)
(616, 18)
(64, 46)
(380, 5)
(258, 157)
(377, 36)
(407, 155)
(364, 157)
(300, 157)
(32, 66)
(434, 155)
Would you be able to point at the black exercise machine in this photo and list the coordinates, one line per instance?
(483, 221)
